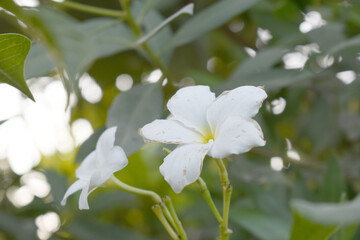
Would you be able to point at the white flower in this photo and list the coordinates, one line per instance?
(205, 125)
(97, 167)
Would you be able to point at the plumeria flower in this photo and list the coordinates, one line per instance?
(97, 167)
(204, 125)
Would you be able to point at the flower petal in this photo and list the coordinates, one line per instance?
(169, 131)
(105, 144)
(76, 186)
(189, 106)
(236, 135)
(83, 202)
(243, 101)
(183, 165)
(87, 167)
(116, 161)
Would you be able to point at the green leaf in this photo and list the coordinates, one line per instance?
(322, 37)
(305, 229)
(89, 145)
(133, 109)
(13, 51)
(106, 37)
(329, 214)
(209, 19)
(38, 62)
(273, 80)
(333, 184)
(264, 60)
(10, 224)
(93, 230)
(262, 225)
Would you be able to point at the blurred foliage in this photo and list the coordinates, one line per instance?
(321, 117)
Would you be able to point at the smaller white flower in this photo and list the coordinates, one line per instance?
(97, 167)
(204, 125)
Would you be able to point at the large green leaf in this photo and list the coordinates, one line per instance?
(106, 37)
(304, 229)
(133, 109)
(330, 214)
(263, 225)
(319, 221)
(13, 51)
(208, 19)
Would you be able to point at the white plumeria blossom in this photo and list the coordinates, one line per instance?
(97, 167)
(204, 125)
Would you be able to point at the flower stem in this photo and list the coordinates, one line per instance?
(179, 227)
(159, 213)
(207, 196)
(138, 191)
(92, 10)
(225, 232)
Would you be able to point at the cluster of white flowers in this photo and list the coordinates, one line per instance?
(201, 125)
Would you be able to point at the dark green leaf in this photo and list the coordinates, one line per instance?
(263, 225)
(19, 228)
(209, 19)
(13, 50)
(133, 109)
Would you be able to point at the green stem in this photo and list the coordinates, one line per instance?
(225, 232)
(159, 213)
(138, 191)
(207, 196)
(179, 227)
(92, 10)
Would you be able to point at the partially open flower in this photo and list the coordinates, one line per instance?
(97, 167)
(205, 125)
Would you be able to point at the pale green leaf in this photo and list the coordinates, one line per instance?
(13, 50)
(133, 109)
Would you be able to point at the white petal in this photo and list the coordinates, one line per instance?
(105, 144)
(189, 106)
(236, 135)
(242, 101)
(76, 186)
(183, 165)
(116, 161)
(83, 202)
(169, 131)
(87, 167)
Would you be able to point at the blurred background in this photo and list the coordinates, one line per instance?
(305, 53)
